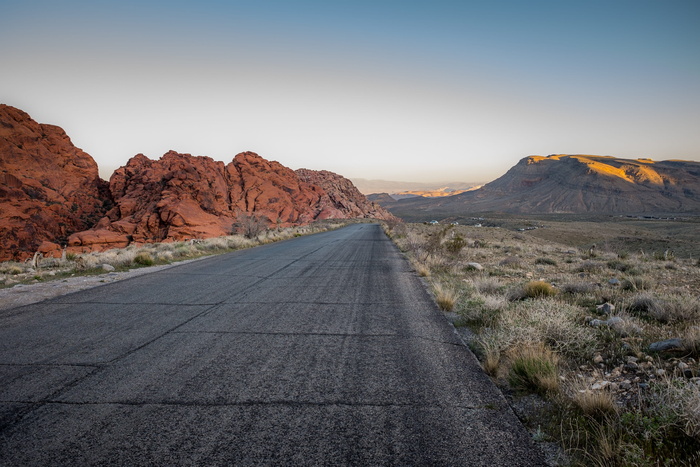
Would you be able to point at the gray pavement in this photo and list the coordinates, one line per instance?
(322, 350)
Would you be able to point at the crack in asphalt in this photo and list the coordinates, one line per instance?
(288, 403)
(324, 334)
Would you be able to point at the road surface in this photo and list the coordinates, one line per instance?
(322, 350)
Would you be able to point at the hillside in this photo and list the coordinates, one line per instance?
(575, 184)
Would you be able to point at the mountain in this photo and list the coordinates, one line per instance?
(575, 184)
(51, 194)
(386, 186)
(48, 187)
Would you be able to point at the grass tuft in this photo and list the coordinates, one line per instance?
(445, 296)
(534, 367)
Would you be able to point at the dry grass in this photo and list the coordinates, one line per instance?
(445, 296)
(596, 403)
(512, 307)
(12, 273)
(534, 367)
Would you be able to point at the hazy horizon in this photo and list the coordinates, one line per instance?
(412, 90)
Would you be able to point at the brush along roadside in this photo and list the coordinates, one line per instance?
(607, 341)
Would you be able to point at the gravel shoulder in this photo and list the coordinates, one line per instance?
(26, 294)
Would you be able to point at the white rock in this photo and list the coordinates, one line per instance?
(107, 267)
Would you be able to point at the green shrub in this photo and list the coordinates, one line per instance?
(144, 259)
(635, 283)
(534, 368)
(455, 244)
(546, 261)
(538, 289)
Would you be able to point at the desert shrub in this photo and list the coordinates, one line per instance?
(421, 269)
(166, 256)
(144, 259)
(591, 402)
(621, 266)
(479, 243)
(534, 368)
(250, 225)
(546, 261)
(487, 285)
(635, 283)
(445, 296)
(455, 244)
(70, 256)
(667, 255)
(578, 288)
(511, 262)
(550, 321)
(538, 289)
(589, 266)
(645, 305)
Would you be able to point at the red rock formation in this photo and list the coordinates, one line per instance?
(48, 187)
(181, 196)
(342, 198)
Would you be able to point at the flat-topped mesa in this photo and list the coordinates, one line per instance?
(48, 187)
(577, 183)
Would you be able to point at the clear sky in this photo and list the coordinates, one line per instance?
(396, 90)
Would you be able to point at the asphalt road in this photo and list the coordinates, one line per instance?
(322, 350)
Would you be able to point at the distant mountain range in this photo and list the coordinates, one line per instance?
(571, 184)
(397, 189)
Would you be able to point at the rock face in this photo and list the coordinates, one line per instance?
(578, 184)
(182, 197)
(48, 187)
(342, 198)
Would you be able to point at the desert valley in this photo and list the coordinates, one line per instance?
(574, 278)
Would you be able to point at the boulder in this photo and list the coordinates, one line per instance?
(667, 345)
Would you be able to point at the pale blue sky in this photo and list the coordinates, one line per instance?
(396, 90)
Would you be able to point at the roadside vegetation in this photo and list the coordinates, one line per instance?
(596, 346)
(149, 254)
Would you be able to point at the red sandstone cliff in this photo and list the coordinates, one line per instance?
(181, 196)
(48, 187)
(342, 198)
(51, 194)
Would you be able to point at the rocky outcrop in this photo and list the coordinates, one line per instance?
(576, 184)
(181, 197)
(51, 194)
(342, 198)
(48, 187)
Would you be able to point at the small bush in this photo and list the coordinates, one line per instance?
(546, 261)
(535, 368)
(144, 259)
(446, 297)
(512, 262)
(488, 285)
(538, 289)
(70, 256)
(455, 244)
(592, 402)
(578, 288)
(635, 283)
(589, 266)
